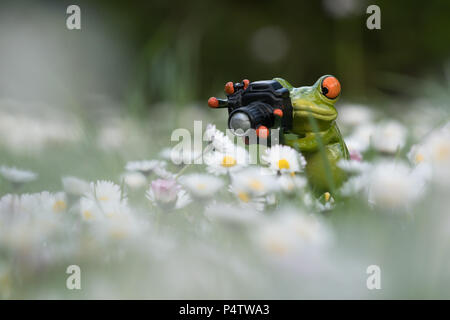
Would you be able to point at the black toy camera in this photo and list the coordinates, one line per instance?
(258, 105)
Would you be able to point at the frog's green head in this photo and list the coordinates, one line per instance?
(317, 101)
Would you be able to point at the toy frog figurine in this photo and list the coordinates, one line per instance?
(305, 117)
(313, 125)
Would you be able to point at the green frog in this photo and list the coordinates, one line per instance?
(315, 134)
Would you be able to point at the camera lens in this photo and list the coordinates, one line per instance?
(251, 116)
(239, 122)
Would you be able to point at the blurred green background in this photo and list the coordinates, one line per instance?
(143, 52)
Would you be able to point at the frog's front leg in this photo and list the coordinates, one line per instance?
(303, 143)
(309, 142)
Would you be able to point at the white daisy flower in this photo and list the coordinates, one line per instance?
(201, 185)
(164, 191)
(220, 141)
(247, 200)
(226, 162)
(389, 137)
(15, 175)
(167, 193)
(284, 159)
(105, 191)
(253, 181)
(75, 186)
(105, 200)
(210, 132)
(53, 202)
(89, 209)
(144, 166)
(134, 180)
(394, 186)
(418, 154)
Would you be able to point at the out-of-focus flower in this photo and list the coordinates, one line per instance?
(291, 184)
(111, 137)
(291, 234)
(134, 180)
(341, 8)
(254, 187)
(163, 173)
(360, 139)
(354, 185)
(353, 166)
(284, 159)
(352, 115)
(31, 225)
(355, 155)
(180, 156)
(104, 200)
(18, 176)
(228, 161)
(54, 202)
(201, 186)
(393, 185)
(145, 166)
(30, 127)
(75, 186)
(269, 44)
(253, 182)
(227, 213)
(167, 193)
(89, 209)
(164, 191)
(432, 156)
(389, 137)
(105, 191)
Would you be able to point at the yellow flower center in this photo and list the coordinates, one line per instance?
(59, 206)
(283, 164)
(419, 158)
(327, 196)
(256, 185)
(243, 196)
(104, 198)
(443, 152)
(228, 161)
(201, 186)
(110, 214)
(277, 247)
(87, 215)
(118, 234)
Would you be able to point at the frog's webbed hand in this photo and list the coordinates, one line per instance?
(284, 83)
(307, 143)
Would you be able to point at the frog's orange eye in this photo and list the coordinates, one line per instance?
(331, 87)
